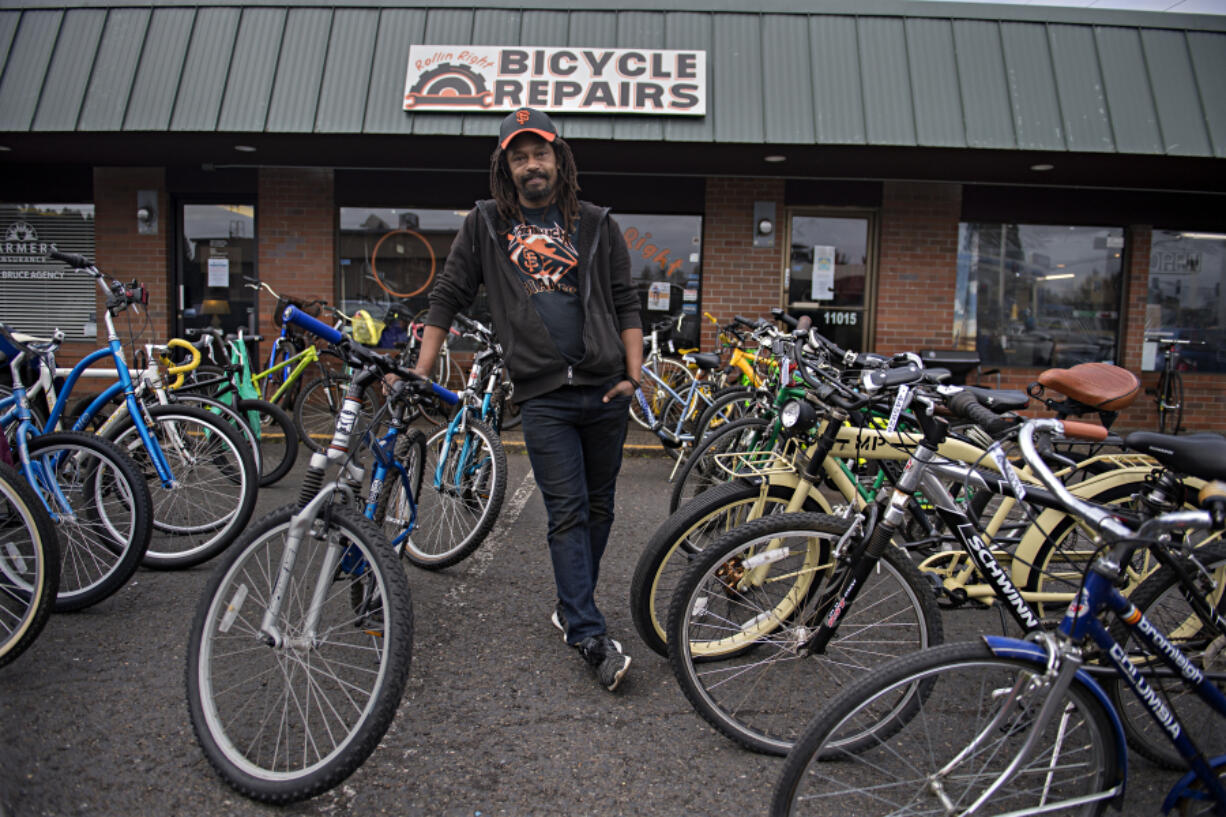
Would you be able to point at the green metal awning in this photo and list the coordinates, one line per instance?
(908, 75)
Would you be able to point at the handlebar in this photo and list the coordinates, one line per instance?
(966, 405)
(298, 318)
(182, 369)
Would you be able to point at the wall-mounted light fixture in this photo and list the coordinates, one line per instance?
(147, 212)
(764, 224)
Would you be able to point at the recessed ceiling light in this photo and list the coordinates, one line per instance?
(5, 148)
(775, 158)
(1042, 168)
(244, 148)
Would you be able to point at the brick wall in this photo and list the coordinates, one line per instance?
(739, 278)
(917, 265)
(126, 254)
(296, 230)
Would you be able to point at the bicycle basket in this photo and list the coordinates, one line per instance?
(366, 330)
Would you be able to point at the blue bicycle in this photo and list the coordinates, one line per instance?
(1028, 726)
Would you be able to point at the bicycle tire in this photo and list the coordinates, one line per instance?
(215, 484)
(701, 470)
(395, 506)
(457, 509)
(231, 668)
(680, 538)
(737, 628)
(29, 565)
(1170, 402)
(727, 404)
(1161, 600)
(278, 438)
(673, 373)
(320, 401)
(908, 755)
(104, 537)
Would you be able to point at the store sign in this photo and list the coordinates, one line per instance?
(570, 80)
(38, 293)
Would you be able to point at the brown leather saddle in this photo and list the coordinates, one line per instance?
(1088, 387)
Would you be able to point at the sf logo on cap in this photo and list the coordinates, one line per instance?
(522, 116)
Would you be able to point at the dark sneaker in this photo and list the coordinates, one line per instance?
(559, 620)
(605, 657)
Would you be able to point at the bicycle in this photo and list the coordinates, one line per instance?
(226, 388)
(1168, 392)
(466, 464)
(29, 563)
(202, 478)
(301, 644)
(1023, 724)
(93, 492)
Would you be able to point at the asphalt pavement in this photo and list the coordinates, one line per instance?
(499, 718)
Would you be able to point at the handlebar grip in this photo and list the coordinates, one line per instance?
(967, 406)
(445, 394)
(71, 259)
(804, 323)
(885, 378)
(744, 321)
(784, 318)
(1077, 430)
(302, 320)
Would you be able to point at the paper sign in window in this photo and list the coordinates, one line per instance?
(823, 274)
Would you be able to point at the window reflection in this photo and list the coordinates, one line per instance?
(1185, 301)
(665, 262)
(1038, 295)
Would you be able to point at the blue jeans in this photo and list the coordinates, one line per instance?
(574, 443)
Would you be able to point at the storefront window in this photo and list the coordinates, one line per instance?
(1186, 272)
(665, 262)
(389, 260)
(1038, 295)
(40, 295)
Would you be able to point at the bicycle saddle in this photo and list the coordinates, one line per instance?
(1099, 386)
(707, 361)
(1200, 455)
(1000, 400)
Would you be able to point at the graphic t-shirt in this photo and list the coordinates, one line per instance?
(548, 264)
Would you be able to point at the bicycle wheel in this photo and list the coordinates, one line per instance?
(679, 540)
(727, 404)
(706, 466)
(285, 721)
(667, 372)
(1170, 402)
(320, 401)
(740, 620)
(29, 565)
(101, 509)
(1161, 599)
(214, 490)
(277, 436)
(396, 504)
(461, 495)
(953, 744)
(223, 411)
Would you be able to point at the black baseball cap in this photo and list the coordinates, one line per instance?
(526, 119)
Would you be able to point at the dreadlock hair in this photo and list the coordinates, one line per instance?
(502, 187)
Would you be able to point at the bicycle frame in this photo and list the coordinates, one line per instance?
(299, 363)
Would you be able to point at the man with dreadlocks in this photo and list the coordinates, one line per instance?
(557, 275)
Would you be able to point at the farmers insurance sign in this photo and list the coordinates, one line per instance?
(573, 80)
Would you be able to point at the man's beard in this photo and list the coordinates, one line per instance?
(535, 194)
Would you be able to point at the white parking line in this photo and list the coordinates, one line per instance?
(508, 516)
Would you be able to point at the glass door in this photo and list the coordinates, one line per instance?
(828, 275)
(216, 250)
